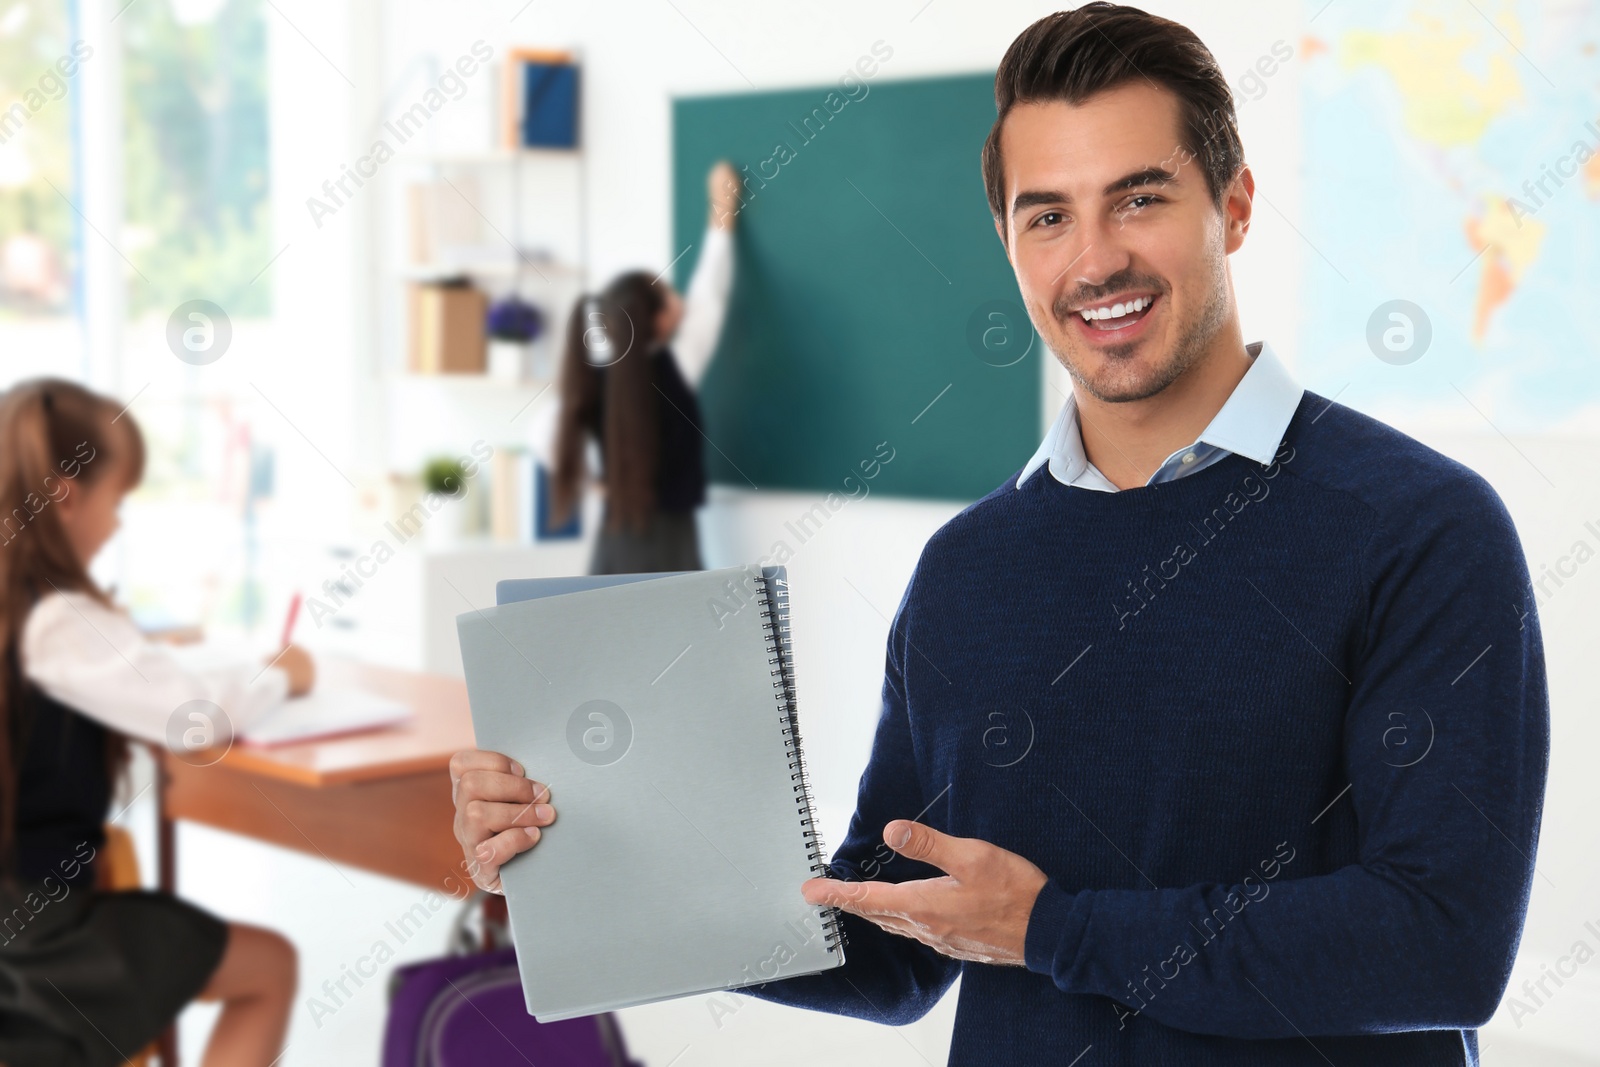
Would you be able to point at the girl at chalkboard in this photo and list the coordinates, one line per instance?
(622, 386)
(90, 976)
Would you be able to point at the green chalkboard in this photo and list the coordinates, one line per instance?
(870, 286)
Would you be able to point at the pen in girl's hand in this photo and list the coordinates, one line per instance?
(288, 623)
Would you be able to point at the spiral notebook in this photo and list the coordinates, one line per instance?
(660, 709)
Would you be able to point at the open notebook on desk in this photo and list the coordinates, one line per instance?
(324, 713)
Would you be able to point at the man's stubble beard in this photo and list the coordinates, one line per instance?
(1193, 338)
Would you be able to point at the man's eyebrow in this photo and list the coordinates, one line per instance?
(1147, 176)
(1136, 180)
(1035, 197)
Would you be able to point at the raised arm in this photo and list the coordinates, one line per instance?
(706, 302)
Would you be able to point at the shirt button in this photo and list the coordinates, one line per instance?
(1188, 457)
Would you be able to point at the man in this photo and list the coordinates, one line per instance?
(1218, 733)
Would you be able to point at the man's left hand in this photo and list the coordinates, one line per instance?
(978, 911)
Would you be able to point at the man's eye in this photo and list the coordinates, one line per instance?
(1047, 215)
(1141, 201)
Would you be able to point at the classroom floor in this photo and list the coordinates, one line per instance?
(336, 915)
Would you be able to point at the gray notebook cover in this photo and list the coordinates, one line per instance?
(659, 709)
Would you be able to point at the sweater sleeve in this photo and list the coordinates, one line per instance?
(885, 978)
(1446, 747)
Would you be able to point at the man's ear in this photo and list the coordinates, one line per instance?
(1236, 209)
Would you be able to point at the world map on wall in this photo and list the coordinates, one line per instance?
(1452, 197)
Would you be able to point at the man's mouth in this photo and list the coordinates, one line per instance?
(1116, 315)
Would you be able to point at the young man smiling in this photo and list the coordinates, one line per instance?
(1274, 725)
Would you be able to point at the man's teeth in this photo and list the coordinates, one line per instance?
(1116, 311)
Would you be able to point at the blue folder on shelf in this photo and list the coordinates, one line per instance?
(549, 105)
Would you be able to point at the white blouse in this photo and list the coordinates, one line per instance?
(96, 661)
(705, 305)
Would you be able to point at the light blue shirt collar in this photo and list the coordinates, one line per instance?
(1251, 423)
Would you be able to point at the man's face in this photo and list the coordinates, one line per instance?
(1105, 207)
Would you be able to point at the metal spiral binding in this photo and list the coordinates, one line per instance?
(775, 609)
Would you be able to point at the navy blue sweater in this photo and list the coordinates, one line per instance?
(1277, 735)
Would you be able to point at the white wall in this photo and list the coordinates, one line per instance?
(848, 579)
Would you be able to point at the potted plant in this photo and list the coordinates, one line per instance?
(513, 326)
(445, 477)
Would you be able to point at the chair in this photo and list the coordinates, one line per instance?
(119, 869)
(119, 863)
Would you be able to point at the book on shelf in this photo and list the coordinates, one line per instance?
(442, 218)
(545, 528)
(519, 501)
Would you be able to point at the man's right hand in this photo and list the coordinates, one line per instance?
(499, 811)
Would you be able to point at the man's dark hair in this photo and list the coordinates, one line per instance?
(1072, 55)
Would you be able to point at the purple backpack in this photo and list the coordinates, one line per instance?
(468, 1009)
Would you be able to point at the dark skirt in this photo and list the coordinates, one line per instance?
(669, 542)
(91, 978)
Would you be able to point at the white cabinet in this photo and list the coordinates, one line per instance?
(399, 608)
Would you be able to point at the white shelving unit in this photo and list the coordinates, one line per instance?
(519, 225)
(526, 213)
(509, 220)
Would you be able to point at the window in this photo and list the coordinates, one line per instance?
(40, 233)
(196, 225)
(196, 216)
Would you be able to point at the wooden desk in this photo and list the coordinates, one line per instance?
(378, 800)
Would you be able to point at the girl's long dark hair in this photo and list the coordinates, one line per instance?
(608, 384)
(56, 438)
